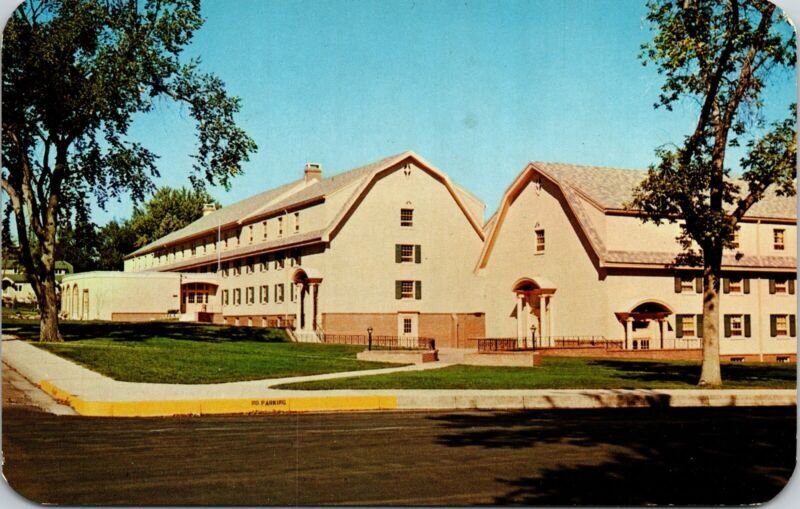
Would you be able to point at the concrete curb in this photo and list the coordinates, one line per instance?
(92, 394)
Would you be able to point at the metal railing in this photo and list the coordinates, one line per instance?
(381, 342)
(503, 345)
(526, 344)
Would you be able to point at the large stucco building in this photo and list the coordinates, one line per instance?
(565, 258)
(397, 246)
(380, 246)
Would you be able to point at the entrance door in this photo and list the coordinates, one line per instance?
(644, 332)
(407, 328)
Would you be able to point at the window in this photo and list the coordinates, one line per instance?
(225, 244)
(237, 296)
(406, 325)
(250, 295)
(225, 295)
(280, 227)
(279, 262)
(194, 248)
(736, 238)
(293, 293)
(408, 290)
(407, 217)
(279, 293)
(688, 326)
(407, 253)
(264, 263)
(687, 283)
(782, 326)
(296, 222)
(249, 265)
(735, 285)
(250, 233)
(737, 326)
(778, 239)
(263, 294)
(781, 286)
(237, 267)
(264, 228)
(224, 269)
(539, 241)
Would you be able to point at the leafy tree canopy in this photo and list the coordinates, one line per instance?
(718, 54)
(75, 74)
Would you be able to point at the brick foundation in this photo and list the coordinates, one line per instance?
(687, 354)
(448, 329)
(138, 317)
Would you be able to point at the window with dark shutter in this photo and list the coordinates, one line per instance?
(417, 254)
(677, 284)
(418, 290)
(747, 326)
(792, 326)
(699, 322)
(727, 325)
(773, 325)
(698, 284)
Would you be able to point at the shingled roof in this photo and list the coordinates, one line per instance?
(295, 194)
(279, 198)
(610, 190)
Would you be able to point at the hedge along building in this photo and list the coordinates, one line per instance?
(391, 246)
(563, 257)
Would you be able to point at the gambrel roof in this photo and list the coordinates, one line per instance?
(297, 194)
(609, 190)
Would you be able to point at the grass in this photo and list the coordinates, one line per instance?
(168, 352)
(570, 373)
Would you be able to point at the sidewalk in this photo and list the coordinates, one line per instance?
(92, 394)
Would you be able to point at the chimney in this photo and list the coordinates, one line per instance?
(312, 172)
(208, 208)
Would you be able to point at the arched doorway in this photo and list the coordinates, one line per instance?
(308, 318)
(534, 310)
(644, 324)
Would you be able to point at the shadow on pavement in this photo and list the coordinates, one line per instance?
(647, 456)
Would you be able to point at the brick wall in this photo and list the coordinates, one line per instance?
(443, 327)
(137, 317)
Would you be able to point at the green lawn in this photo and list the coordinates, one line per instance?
(570, 373)
(168, 352)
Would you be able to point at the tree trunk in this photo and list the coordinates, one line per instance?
(710, 374)
(48, 310)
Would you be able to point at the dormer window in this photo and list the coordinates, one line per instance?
(778, 239)
(736, 237)
(540, 241)
(407, 218)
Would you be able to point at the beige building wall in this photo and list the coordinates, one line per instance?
(100, 295)
(360, 269)
(578, 305)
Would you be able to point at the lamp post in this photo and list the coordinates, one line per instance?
(533, 336)
(369, 338)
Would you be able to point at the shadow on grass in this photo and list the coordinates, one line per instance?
(643, 372)
(142, 331)
(637, 456)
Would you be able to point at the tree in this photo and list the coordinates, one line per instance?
(168, 210)
(75, 73)
(719, 54)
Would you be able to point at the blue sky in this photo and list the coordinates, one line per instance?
(477, 88)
